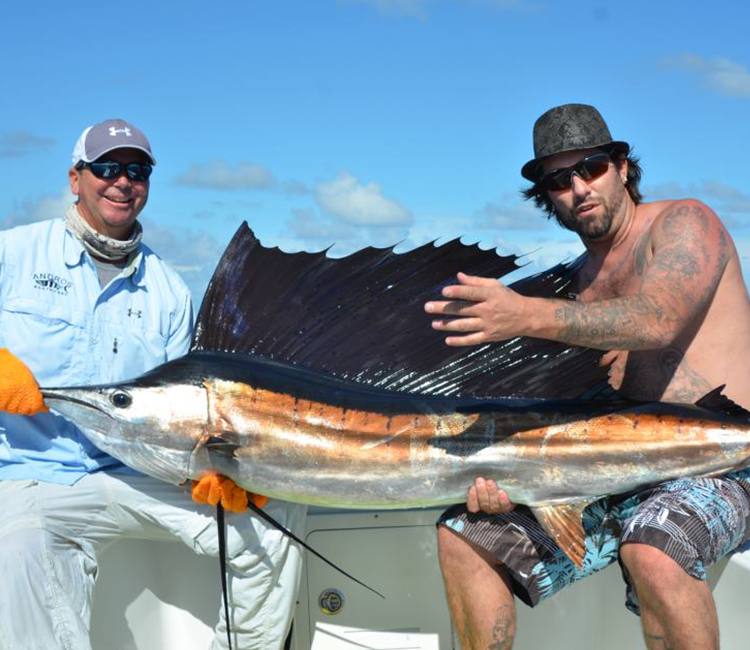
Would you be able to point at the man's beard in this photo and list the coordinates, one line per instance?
(593, 228)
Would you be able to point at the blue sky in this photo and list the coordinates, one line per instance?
(369, 122)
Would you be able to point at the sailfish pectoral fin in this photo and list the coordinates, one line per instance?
(214, 452)
(220, 445)
(564, 525)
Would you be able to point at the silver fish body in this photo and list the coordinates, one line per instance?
(293, 434)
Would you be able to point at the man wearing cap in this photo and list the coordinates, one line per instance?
(661, 290)
(84, 301)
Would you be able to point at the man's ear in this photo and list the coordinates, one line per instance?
(622, 168)
(73, 176)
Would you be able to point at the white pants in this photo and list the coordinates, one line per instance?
(51, 536)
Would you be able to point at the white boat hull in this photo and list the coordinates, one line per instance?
(158, 595)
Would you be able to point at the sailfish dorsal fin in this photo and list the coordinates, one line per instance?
(361, 318)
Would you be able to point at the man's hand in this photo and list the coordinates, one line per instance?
(19, 391)
(617, 361)
(212, 489)
(486, 311)
(484, 496)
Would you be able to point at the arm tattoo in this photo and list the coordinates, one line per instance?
(679, 282)
(610, 324)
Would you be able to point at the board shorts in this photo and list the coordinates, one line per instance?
(695, 522)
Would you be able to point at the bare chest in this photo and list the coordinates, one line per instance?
(620, 272)
(618, 278)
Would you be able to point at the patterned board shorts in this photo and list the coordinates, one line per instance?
(694, 521)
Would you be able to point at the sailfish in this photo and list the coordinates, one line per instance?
(319, 380)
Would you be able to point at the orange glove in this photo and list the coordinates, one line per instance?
(19, 391)
(211, 489)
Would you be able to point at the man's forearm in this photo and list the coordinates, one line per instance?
(630, 323)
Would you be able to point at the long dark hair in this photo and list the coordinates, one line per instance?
(618, 153)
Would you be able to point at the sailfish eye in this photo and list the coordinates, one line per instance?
(121, 399)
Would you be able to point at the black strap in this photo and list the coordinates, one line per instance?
(223, 565)
(278, 526)
(291, 535)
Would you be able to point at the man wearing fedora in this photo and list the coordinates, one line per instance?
(661, 290)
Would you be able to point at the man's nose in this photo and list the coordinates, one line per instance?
(123, 181)
(579, 186)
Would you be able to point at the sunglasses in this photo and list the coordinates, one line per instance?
(587, 168)
(110, 169)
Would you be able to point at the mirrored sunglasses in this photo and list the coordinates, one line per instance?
(111, 169)
(587, 168)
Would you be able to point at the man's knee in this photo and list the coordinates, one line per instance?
(645, 559)
(651, 569)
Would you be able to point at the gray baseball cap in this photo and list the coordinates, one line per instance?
(107, 136)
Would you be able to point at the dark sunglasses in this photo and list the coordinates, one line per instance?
(110, 169)
(587, 168)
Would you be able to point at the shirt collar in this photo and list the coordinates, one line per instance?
(73, 250)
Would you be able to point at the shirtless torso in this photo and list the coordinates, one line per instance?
(714, 347)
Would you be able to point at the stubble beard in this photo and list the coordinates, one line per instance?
(594, 228)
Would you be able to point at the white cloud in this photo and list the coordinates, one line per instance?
(442, 229)
(352, 202)
(730, 203)
(545, 252)
(47, 206)
(732, 199)
(192, 253)
(218, 175)
(666, 191)
(721, 73)
(308, 230)
(19, 143)
(511, 216)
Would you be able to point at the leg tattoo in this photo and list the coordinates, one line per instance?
(502, 631)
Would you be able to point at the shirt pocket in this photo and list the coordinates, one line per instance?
(43, 334)
(134, 346)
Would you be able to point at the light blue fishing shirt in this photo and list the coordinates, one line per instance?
(70, 332)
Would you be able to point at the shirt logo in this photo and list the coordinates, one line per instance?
(52, 282)
(135, 313)
(113, 131)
